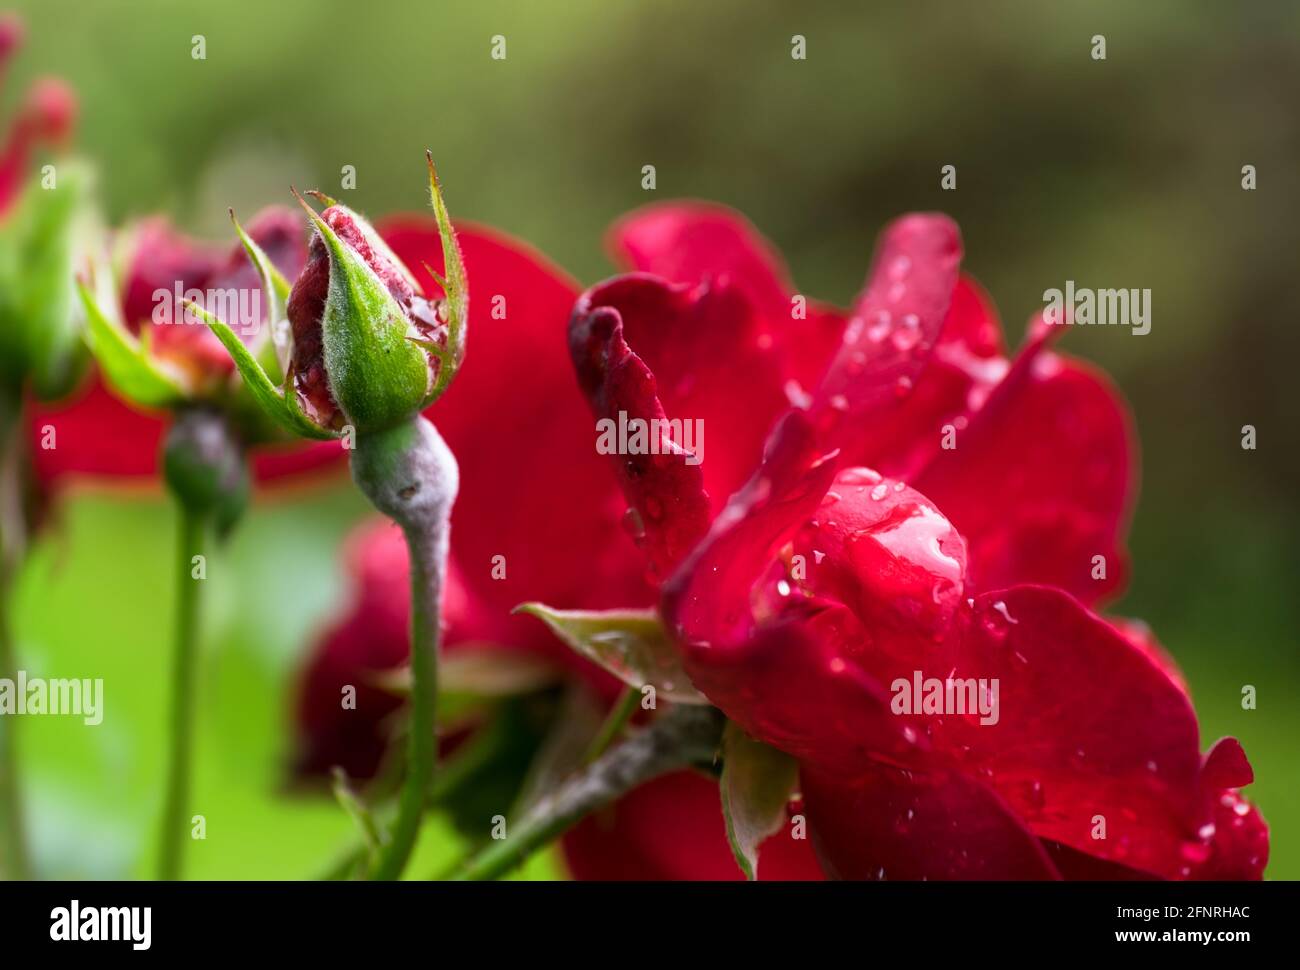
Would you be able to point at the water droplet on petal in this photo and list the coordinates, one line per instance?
(634, 525)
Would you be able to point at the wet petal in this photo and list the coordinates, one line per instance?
(671, 829)
(663, 482)
(1041, 481)
(903, 825)
(893, 331)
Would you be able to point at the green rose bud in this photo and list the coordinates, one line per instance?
(368, 350)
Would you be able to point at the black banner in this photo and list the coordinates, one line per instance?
(136, 920)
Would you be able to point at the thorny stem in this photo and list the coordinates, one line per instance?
(410, 475)
(684, 736)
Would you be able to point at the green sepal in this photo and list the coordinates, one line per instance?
(630, 644)
(757, 783)
(275, 338)
(125, 361)
(454, 288)
(269, 397)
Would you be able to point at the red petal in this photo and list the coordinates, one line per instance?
(694, 242)
(901, 825)
(704, 347)
(671, 829)
(95, 436)
(1226, 766)
(299, 460)
(665, 489)
(966, 365)
(161, 258)
(700, 242)
(1040, 481)
(894, 328)
(1087, 726)
(836, 717)
(1239, 849)
(891, 557)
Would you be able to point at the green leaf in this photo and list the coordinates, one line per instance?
(259, 385)
(124, 361)
(630, 644)
(757, 783)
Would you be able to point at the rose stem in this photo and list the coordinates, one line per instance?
(184, 681)
(410, 475)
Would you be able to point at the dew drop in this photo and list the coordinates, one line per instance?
(634, 525)
(881, 323)
(859, 476)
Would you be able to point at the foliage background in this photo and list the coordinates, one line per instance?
(1124, 172)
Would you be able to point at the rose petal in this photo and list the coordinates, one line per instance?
(895, 325)
(699, 242)
(1086, 726)
(703, 346)
(692, 242)
(903, 825)
(1041, 481)
(671, 829)
(665, 489)
(967, 363)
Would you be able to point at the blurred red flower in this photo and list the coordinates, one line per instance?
(99, 436)
(46, 116)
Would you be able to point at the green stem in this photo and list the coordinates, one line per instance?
(410, 475)
(13, 846)
(617, 719)
(184, 681)
(422, 741)
(13, 535)
(682, 737)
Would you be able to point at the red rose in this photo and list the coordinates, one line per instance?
(921, 569)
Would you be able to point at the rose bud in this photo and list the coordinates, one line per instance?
(368, 351)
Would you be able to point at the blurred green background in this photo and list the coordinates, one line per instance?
(1124, 172)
